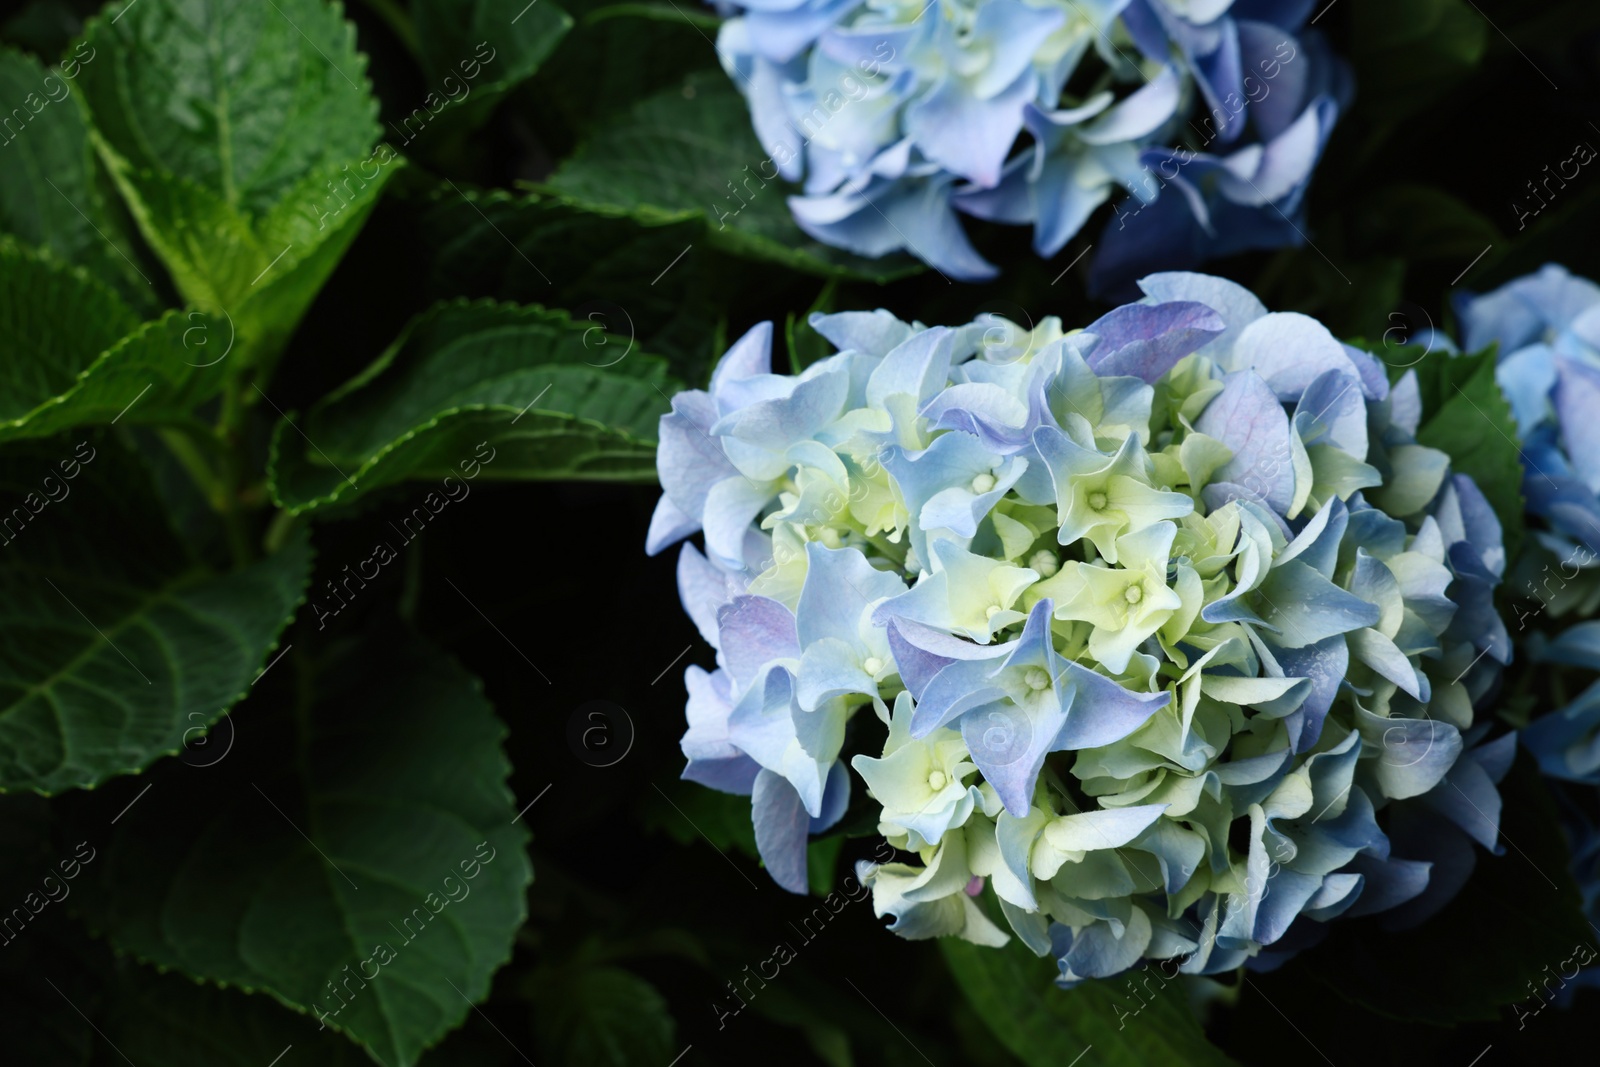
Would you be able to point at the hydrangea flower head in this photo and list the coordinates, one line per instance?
(896, 115)
(1546, 327)
(1158, 638)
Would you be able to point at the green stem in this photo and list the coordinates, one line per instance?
(230, 431)
(180, 441)
(658, 12)
(411, 590)
(283, 524)
(400, 22)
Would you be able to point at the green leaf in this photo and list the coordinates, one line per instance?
(236, 98)
(117, 648)
(240, 136)
(806, 345)
(55, 320)
(822, 863)
(49, 196)
(1014, 993)
(485, 50)
(1410, 53)
(358, 861)
(604, 1017)
(1428, 222)
(691, 813)
(1471, 420)
(689, 152)
(78, 356)
(519, 247)
(616, 56)
(163, 1020)
(540, 393)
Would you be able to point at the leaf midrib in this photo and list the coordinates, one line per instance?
(230, 192)
(138, 615)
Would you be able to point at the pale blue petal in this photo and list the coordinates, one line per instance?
(688, 460)
(669, 524)
(730, 507)
(1325, 663)
(1248, 417)
(967, 135)
(1102, 711)
(835, 800)
(830, 667)
(874, 332)
(1290, 351)
(1333, 410)
(1386, 883)
(703, 588)
(1413, 754)
(1470, 800)
(781, 826)
(840, 586)
(756, 632)
(918, 366)
(1008, 745)
(1305, 607)
(748, 357)
(1577, 403)
(713, 760)
(1098, 952)
(1286, 893)
(1237, 306)
(921, 652)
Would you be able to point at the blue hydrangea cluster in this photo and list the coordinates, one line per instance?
(1161, 638)
(897, 116)
(1546, 329)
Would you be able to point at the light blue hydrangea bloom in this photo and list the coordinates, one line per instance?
(1174, 631)
(1546, 329)
(897, 116)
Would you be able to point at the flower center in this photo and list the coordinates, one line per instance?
(872, 665)
(1044, 561)
(828, 536)
(983, 483)
(1037, 678)
(1098, 500)
(991, 611)
(937, 781)
(1133, 594)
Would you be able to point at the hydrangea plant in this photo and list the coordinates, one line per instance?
(1546, 329)
(1173, 632)
(897, 116)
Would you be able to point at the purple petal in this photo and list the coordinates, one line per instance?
(1248, 417)
(1146, 340)
(920, 652)
(755, 631)
(1008, 744)
(782, 827)
(1102, 710)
